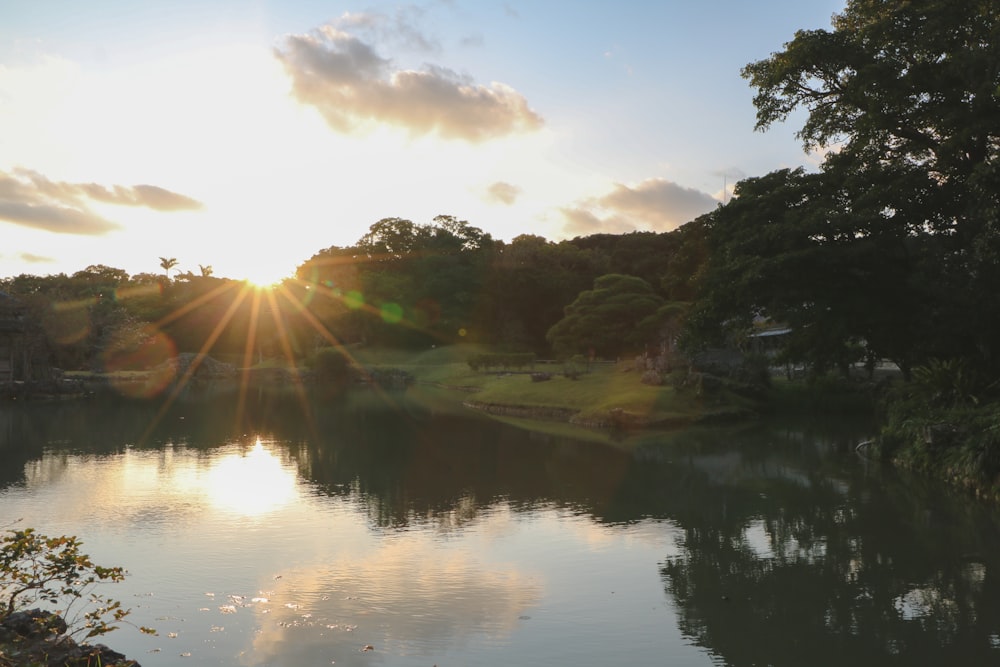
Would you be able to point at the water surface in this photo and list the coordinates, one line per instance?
(362, 529)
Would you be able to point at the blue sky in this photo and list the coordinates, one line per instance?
(249, 135)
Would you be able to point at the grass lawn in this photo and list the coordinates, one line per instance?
(592, 396)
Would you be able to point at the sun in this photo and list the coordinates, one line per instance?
(264, 277)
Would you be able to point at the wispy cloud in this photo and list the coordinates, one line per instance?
(29, 199)
(346, 79)
(150, 196)
(32, 258)
(655, 204)
(503, 193)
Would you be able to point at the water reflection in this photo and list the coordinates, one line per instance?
(321, 528)
(407, 596)
(250, 484)
(789, 568)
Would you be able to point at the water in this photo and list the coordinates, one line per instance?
(362, 529)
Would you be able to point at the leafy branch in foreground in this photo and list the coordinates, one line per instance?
(36, 569)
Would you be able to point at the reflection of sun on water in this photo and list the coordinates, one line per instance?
(250, 484)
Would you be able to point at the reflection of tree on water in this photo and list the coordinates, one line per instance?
(446, 469)
(782, 572)
(792, 554)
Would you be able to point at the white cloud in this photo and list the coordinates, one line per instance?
(655, 204)
(352, 86)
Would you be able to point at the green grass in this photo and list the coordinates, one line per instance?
(592, 397)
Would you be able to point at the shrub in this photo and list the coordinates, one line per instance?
(504, 360)
(37, 569)
(331, 364)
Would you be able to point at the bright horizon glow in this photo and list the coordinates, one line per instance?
(269, 137)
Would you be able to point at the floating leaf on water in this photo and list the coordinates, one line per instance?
(217, 628)
(172, 635)
(154, 650)
(227, 609)
(186, 654)
(367, 647)
(259, 600)
(211, 595)
(291, 605)
(204, 609)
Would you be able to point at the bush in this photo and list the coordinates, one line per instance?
(331, 364)
(35, 569)
(501, 360)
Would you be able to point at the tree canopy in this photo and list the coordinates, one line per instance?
(894, 241)
(616, 316)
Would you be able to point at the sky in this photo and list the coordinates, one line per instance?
(247, 135)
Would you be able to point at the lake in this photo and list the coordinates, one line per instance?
(373, 529)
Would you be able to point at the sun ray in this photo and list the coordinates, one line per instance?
(181, 382)
(286, 348)
(195, 303)
(248, 357)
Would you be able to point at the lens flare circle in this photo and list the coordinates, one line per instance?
(140, 364)
(392, 313)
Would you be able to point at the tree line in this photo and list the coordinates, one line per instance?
(402, 284)
(889, 250)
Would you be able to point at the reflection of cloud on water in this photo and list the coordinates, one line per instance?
(410, 596)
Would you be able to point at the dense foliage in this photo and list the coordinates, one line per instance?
(894, 244)
(402, 284)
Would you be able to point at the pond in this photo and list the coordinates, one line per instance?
(367, 529)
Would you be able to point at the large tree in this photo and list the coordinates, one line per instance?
(896, 240)
(618, 315)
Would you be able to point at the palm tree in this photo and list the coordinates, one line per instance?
(206, 270)
(167, 263)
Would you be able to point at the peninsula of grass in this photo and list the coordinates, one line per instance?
(605, 394)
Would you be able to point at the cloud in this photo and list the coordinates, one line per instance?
(351, 85)
(655, 204)
(503, 193)
(29, 199)
(161, 199)
(581, 221)
(32, 258)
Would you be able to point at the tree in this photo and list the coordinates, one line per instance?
(612, 318)
(206, 270)
(895, 240)
(167, 263)
(784, 249)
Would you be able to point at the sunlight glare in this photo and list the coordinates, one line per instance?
(250, 484)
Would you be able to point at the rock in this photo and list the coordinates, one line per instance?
(38, 637)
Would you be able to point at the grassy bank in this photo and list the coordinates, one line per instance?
(606, 394)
